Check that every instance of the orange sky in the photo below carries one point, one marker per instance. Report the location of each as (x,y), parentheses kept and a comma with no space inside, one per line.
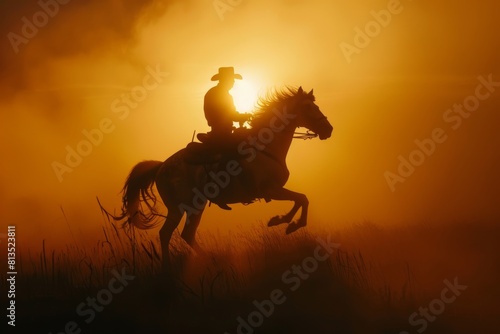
(392,91)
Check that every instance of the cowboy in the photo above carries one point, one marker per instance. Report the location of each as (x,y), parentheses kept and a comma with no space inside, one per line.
(219,108)
(220,113)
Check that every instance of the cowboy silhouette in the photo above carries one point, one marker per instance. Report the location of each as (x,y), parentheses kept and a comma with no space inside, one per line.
(219,108)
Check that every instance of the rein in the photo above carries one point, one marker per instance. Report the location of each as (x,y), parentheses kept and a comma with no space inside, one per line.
(304,135)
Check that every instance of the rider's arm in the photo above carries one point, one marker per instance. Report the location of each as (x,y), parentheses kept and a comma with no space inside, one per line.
(235,115)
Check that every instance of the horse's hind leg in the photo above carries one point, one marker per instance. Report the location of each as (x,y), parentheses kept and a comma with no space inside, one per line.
(173,219)
(189,231)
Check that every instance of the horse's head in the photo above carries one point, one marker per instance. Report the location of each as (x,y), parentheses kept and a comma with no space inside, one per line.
(309,115)
(300,107)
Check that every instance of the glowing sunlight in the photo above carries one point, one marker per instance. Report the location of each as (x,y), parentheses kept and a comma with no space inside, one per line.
(245,93)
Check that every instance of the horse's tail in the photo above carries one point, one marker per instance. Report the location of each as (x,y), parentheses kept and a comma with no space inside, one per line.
(139,188)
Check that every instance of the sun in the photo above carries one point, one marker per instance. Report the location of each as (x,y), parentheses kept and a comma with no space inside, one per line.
(245,94)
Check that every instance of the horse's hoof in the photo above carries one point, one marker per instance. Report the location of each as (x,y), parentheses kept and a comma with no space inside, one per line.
(276,220)
(293,227)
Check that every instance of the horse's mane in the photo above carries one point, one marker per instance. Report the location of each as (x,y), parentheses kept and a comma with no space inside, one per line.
(273,99)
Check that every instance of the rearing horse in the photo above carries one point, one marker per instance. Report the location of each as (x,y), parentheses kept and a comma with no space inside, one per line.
(257,171)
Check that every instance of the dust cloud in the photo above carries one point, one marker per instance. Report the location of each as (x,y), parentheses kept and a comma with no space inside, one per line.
(385,73)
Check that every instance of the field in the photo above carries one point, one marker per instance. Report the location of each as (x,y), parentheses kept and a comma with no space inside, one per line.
(361,279)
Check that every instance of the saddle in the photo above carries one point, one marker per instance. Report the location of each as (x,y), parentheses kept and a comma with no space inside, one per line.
(201,154)
(212,149)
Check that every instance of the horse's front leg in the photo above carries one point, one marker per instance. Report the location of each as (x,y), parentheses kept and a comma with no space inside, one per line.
(284,219)
(300,201)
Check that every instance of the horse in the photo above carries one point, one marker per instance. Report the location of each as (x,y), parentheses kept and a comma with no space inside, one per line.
(256,169)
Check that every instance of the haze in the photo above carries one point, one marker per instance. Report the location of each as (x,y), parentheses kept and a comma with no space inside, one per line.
(74,72)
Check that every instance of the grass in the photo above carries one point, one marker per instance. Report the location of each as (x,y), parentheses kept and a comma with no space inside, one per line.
(370,284)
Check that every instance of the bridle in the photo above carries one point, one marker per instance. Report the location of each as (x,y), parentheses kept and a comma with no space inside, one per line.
(304,135)
(308,134)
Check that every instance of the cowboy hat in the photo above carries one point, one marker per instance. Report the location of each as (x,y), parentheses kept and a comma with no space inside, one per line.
(226,72)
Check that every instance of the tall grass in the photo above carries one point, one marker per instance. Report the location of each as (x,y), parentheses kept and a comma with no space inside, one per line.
(227,268)
(365,286)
